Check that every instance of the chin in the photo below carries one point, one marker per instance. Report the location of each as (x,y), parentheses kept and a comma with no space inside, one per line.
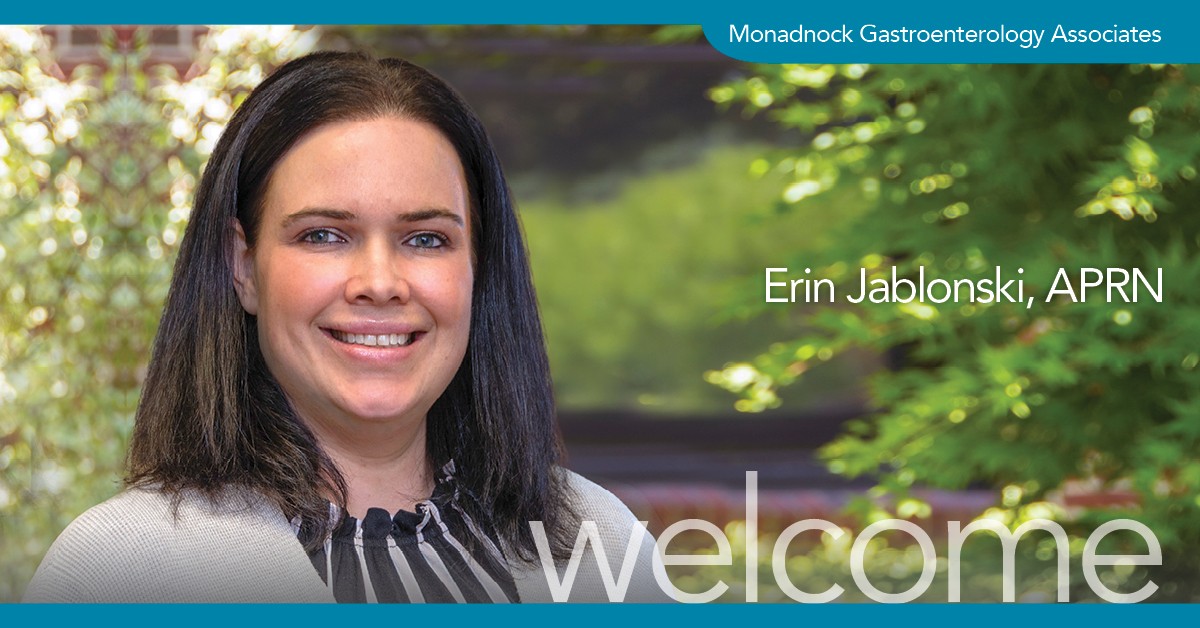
(386,410)
(376,415)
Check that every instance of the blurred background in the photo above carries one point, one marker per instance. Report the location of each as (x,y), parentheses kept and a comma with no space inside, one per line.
(656,180)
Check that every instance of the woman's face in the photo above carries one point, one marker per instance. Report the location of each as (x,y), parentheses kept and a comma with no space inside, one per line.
(361,275)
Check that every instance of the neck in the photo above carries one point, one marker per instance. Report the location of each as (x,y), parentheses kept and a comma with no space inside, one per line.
(385,466)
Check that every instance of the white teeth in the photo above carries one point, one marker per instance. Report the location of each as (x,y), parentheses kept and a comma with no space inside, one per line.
(371,340)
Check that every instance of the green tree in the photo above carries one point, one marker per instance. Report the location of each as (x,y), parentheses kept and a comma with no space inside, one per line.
(97,172)
(66,375)
(958,170)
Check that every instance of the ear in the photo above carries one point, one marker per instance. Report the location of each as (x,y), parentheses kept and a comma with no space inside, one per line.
(243,271)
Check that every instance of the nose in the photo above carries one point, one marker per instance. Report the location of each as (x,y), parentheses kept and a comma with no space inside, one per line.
(376,276)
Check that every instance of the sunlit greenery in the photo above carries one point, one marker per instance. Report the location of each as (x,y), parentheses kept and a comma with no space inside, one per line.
(966,168)
(97,172)
(62,389)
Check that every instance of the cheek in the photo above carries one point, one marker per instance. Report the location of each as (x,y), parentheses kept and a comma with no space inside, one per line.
(293,289)
(449,300)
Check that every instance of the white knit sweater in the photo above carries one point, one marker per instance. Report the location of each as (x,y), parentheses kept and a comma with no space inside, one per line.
(242,549)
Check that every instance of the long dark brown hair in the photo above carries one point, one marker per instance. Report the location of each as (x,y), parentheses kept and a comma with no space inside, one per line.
(212,416)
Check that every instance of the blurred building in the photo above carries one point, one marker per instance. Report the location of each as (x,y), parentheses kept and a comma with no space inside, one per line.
(172,45)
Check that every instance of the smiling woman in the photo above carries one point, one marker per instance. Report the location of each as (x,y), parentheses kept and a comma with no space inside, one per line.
(349,397)
(360,277)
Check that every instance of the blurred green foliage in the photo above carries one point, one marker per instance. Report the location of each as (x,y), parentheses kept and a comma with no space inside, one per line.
(654,274)
(97,171)
(69,286)
(965,168)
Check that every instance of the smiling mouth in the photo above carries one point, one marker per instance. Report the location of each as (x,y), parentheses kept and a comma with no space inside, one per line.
(373,340)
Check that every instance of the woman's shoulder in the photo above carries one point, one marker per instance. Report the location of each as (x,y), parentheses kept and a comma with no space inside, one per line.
(107,539)
(146,545)
(111,517)
(595,503)
(142,517)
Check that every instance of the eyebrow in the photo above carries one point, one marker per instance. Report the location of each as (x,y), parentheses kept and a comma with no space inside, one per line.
(340,214)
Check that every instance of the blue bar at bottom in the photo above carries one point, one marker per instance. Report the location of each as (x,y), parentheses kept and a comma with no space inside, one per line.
(974,615)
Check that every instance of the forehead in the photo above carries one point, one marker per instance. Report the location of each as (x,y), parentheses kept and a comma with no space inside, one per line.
(384,164)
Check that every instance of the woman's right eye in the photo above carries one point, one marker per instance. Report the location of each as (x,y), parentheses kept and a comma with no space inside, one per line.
(321,236)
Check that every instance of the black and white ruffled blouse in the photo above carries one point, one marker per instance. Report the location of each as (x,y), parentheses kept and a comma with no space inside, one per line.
(436,554)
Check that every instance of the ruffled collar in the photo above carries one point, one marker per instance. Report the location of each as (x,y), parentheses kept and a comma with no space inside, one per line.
(427,520)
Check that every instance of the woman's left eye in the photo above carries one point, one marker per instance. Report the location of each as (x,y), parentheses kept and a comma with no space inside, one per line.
(426,241)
